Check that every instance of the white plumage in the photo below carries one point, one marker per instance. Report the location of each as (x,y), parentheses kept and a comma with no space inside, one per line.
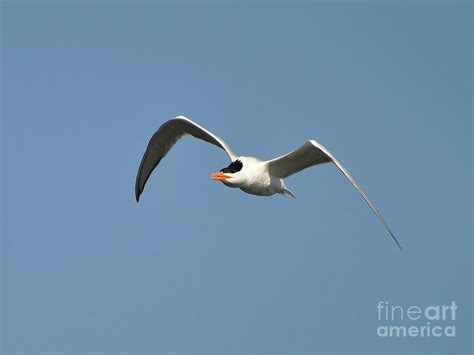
(250,174)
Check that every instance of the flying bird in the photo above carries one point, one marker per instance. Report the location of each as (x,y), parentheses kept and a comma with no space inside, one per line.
(250,174)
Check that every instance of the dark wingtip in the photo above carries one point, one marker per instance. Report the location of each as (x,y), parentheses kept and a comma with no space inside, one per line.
(137,194)
(401,249)
(396,241)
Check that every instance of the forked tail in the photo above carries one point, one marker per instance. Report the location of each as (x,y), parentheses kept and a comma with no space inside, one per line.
(285,191)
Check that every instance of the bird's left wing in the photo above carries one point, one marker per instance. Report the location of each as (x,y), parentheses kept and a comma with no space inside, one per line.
(164,139)
(313,153)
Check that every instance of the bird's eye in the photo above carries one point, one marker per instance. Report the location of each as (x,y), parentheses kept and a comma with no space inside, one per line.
(234,167)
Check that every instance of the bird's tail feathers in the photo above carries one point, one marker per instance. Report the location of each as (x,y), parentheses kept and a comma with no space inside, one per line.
(286,192)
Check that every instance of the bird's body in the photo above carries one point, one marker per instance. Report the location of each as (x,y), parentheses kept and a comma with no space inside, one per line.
(250,174)
(258,180)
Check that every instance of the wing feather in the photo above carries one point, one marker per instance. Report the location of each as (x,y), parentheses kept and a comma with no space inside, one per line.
(313,153)
(163,140)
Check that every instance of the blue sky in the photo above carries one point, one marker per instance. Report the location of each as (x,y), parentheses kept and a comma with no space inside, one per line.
(196,267)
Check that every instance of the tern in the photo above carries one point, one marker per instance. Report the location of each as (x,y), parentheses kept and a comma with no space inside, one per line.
(250,174)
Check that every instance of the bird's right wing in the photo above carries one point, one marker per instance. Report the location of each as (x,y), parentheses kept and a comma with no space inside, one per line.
(305,156)
(313,153)
(164,139)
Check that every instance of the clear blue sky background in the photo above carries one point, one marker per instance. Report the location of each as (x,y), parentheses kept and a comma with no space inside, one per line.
(196,267)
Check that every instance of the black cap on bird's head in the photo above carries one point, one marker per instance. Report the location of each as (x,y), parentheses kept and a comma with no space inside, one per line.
(224,173)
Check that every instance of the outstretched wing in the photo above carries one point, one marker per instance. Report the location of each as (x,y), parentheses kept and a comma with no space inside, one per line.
(164,139)
(313,153)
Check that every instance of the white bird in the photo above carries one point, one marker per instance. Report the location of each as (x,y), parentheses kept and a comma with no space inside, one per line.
(250,174)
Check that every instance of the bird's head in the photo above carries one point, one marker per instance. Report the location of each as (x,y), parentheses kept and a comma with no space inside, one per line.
(230,175)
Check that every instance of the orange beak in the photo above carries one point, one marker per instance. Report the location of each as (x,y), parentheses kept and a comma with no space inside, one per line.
(219,176)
